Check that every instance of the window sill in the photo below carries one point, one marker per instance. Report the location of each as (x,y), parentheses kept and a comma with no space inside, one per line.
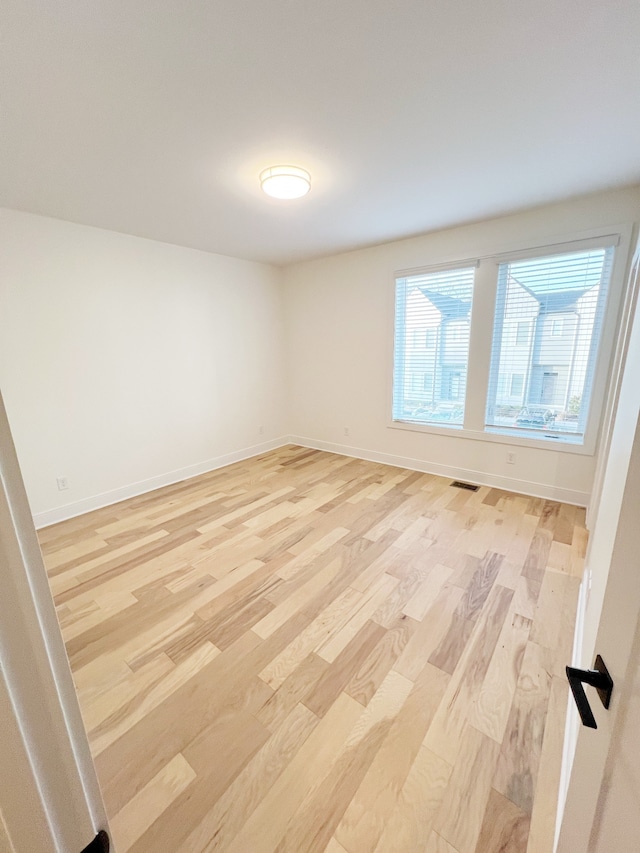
(558,445)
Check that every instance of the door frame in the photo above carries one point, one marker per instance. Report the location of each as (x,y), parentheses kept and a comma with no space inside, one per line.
(609,603)
(618,624)
(49,793)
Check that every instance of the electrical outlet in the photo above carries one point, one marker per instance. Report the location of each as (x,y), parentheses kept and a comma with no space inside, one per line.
(63,483)
(346,430)
(511,458)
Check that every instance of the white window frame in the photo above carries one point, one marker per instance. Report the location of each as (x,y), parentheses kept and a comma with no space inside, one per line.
(482,322)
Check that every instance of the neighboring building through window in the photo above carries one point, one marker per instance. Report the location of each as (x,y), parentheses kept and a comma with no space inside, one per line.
(430,380)
(561,298)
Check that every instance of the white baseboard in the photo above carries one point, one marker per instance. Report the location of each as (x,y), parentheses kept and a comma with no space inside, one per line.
(62,513)
(481,478)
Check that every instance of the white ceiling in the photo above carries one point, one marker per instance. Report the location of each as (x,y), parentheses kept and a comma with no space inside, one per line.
(154,117)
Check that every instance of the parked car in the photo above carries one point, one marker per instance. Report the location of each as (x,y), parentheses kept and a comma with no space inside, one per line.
(535,416)
(442,412)
(447,412)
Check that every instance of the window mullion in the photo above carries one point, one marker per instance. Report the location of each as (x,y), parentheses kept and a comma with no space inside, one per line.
(482,316)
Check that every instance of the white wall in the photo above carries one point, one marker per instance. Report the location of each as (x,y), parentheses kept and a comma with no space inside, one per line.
(339,313)
(126,363)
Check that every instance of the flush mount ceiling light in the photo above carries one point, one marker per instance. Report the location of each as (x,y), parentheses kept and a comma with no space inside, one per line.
(285,181)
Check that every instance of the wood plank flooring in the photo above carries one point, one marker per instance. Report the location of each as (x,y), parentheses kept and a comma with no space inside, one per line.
(307,652)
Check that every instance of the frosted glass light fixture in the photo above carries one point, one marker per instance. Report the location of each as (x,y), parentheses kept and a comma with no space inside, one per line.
(285,181)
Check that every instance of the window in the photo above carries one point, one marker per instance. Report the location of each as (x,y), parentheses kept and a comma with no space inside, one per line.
(535,368)
(454,384)
(517,384)
(427,382)
(522,333)
(561,298)
(424,338)
(430,338)
(438,305)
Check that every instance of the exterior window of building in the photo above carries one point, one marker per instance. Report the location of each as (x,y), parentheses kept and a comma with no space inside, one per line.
(430,338)
(522,333)
(427,382)
(517,384)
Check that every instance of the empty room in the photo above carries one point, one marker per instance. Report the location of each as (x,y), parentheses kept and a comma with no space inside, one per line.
(319,447)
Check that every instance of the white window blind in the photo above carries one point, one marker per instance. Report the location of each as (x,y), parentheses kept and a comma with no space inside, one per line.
(433,314)
(548,318)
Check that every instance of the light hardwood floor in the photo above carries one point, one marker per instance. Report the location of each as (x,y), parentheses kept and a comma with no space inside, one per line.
(307,652)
